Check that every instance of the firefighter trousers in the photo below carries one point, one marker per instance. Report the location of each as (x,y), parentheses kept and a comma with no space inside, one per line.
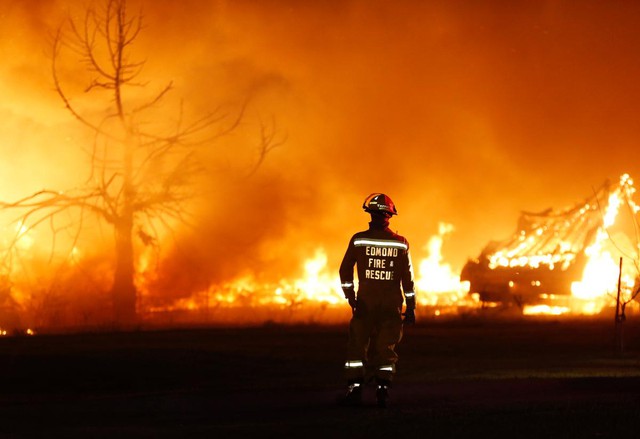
(374,331)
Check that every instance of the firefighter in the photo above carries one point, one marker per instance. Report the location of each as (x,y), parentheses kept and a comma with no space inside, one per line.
(384,273)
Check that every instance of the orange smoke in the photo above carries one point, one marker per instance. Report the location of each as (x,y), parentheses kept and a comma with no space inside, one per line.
(463,113)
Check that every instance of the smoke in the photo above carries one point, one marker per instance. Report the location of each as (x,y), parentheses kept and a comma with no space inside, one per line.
(462,112)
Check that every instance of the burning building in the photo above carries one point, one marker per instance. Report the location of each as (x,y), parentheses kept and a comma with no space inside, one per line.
(556,256)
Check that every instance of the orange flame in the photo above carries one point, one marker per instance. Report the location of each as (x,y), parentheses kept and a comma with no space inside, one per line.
(599,282)
(440,291)
(437,283)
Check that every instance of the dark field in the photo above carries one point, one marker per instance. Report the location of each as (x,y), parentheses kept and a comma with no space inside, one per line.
(473,377)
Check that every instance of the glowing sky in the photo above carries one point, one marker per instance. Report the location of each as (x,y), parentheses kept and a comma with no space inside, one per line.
(464,112)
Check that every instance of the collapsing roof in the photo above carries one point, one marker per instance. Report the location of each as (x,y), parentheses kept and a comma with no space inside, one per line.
(548,251)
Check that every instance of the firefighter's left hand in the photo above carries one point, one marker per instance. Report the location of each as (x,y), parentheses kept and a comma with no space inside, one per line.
(409,316)
(350,295)
(352,303)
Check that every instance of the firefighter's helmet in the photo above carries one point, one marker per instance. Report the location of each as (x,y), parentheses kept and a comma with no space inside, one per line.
(379,203)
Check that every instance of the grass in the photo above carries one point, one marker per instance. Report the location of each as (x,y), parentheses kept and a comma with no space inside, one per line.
(519,377)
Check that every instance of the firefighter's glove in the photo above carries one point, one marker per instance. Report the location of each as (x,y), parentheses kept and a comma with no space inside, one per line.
(409,316)
(410,311)
(350,295)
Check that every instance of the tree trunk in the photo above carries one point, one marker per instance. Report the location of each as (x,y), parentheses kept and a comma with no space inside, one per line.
(123,291)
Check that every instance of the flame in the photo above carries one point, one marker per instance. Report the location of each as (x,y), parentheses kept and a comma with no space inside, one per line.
(595,290)
(545,310)
(315,294)
(317,291)
(437,283)
(601,272)
(318,284)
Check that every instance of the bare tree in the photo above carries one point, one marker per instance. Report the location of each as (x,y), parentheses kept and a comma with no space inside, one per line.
(140,174)
(622,300)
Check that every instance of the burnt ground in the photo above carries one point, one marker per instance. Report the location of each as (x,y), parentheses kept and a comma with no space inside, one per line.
(456,378)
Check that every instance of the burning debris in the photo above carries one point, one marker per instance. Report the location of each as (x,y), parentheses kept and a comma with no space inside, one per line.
(561,261)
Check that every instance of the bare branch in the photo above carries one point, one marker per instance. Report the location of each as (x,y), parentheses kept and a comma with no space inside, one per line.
(155,100)
(63,96)
(267,143)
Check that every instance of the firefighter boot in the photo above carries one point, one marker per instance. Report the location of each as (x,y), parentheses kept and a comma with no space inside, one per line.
(382,393)
(354,395)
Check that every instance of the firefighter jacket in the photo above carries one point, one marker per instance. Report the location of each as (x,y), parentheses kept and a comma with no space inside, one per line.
(383,266)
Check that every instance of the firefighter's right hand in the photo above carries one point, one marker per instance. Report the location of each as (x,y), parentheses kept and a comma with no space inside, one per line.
(409,316)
